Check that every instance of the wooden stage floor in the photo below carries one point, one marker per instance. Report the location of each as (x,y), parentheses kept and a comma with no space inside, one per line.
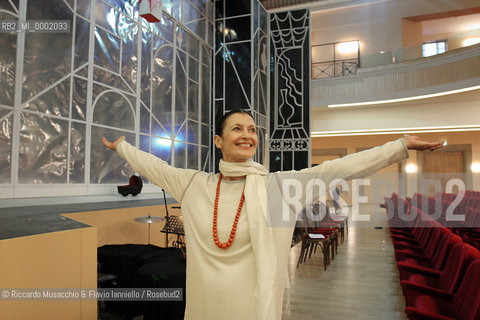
(362,281)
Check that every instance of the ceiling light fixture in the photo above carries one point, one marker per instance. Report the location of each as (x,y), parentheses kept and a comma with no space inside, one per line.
(439,94)
(320,134)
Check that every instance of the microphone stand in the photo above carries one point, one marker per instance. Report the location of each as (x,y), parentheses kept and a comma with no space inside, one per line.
(166,211)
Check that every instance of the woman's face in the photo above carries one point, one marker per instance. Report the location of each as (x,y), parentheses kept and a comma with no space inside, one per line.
(239,140)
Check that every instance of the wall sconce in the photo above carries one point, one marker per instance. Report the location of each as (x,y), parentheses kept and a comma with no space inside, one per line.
(348,47)
(476,167)
(471,41)
(411,168)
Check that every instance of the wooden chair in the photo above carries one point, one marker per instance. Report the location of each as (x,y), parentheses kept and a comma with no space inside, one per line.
(332,208)
(310,242)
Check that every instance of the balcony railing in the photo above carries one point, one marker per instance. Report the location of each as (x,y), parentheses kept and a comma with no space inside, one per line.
(340,59)
(330,69)
(453,42)
(335,59)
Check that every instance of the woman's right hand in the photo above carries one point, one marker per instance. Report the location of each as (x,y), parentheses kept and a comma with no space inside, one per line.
(415,143)
(112,145)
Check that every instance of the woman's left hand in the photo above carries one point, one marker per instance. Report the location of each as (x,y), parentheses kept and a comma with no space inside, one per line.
(414,143)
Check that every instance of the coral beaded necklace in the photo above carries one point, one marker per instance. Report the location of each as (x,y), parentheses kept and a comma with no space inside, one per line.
(227,244)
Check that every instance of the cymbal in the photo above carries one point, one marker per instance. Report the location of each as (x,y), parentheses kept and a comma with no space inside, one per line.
(149,219)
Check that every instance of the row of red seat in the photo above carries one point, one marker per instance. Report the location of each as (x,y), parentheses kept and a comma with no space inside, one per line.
(439,272)
(459,213)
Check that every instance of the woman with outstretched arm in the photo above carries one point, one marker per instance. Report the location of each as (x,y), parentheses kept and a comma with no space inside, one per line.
(237,258)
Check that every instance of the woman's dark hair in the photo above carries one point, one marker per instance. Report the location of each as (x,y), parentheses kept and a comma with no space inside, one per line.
(221,121)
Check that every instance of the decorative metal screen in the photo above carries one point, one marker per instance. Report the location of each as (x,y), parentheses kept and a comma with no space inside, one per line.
(290,90)
(241,63)
(112,75)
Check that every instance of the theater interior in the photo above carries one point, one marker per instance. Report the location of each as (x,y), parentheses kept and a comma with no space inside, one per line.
(322,79)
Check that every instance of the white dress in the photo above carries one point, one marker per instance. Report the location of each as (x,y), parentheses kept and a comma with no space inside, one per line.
(220,283)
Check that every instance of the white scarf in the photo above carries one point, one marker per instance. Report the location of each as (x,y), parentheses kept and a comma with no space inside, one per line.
(260,234)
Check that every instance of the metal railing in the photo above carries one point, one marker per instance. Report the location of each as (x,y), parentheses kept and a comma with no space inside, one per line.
(329,60)
(453,42)
(330,69)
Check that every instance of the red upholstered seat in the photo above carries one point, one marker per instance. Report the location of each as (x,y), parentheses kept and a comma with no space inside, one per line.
(471,230)
(443,305)
(438,253)
(427,304)
(414,234)
(398,211)
(447,280)
(424,245)
(415,225)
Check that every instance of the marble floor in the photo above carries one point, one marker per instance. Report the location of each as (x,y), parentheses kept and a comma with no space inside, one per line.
(362,281)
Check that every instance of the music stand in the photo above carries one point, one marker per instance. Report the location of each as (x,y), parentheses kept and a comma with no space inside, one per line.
(166,212)
(174,224)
